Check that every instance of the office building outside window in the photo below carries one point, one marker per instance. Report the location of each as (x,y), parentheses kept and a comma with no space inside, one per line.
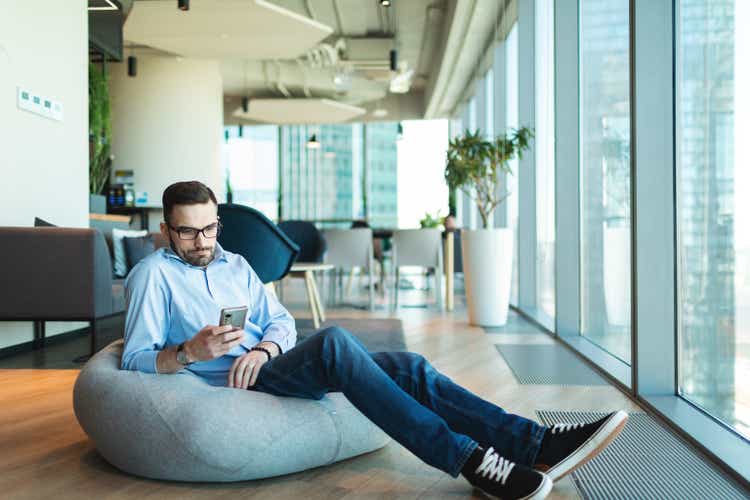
(511,122)
(605,174)
(713,209)
(251,164)
(381,175)
(544,77)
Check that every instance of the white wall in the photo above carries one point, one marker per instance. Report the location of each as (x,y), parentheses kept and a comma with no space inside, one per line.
(167,123)
(43,163)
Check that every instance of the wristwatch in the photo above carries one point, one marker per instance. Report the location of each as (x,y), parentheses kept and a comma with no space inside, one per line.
(182,356)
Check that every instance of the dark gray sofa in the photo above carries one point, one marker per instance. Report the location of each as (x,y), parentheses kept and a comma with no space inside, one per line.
(57,274)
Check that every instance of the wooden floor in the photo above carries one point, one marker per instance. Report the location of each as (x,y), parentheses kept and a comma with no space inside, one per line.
(44,453)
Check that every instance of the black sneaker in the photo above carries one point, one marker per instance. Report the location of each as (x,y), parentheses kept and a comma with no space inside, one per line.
(497,477)
(566,447)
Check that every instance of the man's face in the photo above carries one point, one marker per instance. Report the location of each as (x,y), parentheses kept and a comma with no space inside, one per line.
(200,251)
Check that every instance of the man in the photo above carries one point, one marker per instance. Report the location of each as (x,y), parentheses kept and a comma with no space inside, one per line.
(174,299)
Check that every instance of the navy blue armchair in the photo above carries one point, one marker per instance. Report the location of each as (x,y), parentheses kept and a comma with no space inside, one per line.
(266,248)
(311,243)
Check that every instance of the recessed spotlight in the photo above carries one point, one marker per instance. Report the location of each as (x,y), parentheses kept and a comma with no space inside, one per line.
(385,3)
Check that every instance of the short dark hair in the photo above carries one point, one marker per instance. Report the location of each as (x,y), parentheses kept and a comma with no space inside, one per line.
(185,193)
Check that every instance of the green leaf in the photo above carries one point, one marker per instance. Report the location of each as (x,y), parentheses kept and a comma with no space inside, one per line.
(473,162)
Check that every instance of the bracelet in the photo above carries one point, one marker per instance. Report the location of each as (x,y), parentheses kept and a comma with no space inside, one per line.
(263,349)
(281,351)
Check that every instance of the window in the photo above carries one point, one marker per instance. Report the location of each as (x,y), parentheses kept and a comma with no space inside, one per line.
(511,122)
(605,174)
(251,164)
(544,76)
(713,208)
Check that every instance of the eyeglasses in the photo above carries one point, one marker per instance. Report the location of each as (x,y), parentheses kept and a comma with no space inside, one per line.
(191,233)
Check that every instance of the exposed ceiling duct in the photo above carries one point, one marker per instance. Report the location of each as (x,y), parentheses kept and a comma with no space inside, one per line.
(315,49)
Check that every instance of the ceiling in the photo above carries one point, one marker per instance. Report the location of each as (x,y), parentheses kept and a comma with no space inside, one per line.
(223,29)
(294,110)
(304,49)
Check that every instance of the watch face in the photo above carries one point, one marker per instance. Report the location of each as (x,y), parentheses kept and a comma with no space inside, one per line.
(181,356)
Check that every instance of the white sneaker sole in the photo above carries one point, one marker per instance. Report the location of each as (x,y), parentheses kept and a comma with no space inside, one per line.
(591,448)
(540,493)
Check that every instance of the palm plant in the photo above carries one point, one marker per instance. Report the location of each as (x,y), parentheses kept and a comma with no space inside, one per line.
(473,164)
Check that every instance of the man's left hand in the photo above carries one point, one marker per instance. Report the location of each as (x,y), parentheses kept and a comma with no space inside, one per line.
(244,371)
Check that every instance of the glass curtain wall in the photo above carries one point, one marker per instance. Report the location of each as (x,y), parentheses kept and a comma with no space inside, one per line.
(544,77)
(713,210)
(319,183)
(511,122)
(605,174)
(381,156)
(352,175)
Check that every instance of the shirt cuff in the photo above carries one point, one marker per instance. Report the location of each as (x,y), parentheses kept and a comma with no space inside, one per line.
(279,337)
(144,361)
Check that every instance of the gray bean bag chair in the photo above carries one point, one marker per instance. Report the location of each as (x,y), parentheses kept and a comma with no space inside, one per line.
(177,427)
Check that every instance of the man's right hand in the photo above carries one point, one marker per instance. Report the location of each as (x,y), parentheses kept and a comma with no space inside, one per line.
(213,342)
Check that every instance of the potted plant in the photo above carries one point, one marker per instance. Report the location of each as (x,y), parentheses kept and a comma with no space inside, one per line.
(473,164)
(100,138)
(430,221)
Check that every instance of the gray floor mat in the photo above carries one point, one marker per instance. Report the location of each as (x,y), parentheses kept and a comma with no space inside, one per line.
(646,461)
(546,364)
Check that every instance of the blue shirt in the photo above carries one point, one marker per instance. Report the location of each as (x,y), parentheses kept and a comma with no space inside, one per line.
(168,301)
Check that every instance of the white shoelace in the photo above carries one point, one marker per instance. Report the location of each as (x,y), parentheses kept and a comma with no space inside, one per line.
(565,427)
(495,467)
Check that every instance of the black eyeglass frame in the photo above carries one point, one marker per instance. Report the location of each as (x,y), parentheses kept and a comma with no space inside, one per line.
(196,231)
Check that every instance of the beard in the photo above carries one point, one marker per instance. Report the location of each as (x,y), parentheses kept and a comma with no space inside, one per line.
(199,257)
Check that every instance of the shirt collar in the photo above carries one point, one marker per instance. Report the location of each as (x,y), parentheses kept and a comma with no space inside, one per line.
(219,255)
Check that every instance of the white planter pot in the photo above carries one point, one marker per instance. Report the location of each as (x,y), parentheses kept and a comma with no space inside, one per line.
(488,268)
(617,275)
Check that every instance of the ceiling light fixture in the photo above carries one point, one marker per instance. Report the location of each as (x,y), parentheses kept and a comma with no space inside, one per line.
(183,4)
(342,82)
(313,143)
(385,3)
(108,6)
(132,66)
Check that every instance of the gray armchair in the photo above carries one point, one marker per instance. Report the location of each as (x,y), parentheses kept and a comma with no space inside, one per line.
(57,274)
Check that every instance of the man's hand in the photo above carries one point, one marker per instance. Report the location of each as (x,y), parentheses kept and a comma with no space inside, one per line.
(213,342)
(244,371)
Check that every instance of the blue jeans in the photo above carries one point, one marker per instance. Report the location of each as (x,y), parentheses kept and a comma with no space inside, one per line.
(400,392)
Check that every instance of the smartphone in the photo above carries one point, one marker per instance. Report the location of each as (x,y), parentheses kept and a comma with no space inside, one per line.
(234,316)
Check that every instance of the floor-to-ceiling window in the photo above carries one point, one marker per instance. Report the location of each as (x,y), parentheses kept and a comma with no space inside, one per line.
(511,122)
(251,166)
(605,174)
(544,78)
(713,211)
(381,158)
